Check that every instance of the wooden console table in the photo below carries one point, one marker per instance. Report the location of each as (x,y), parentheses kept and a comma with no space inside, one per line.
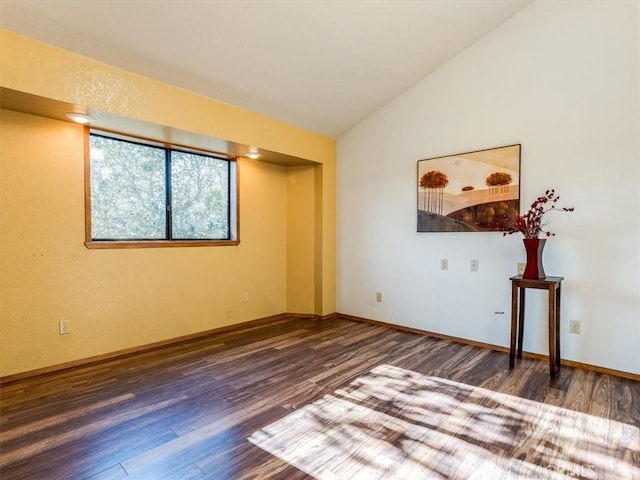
(553,285)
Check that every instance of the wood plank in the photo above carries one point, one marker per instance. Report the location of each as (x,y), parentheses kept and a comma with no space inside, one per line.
(185,410)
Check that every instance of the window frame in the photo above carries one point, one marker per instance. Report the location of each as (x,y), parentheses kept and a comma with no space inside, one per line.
(233,207)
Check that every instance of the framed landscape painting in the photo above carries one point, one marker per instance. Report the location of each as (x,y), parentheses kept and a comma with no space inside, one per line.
(469,192)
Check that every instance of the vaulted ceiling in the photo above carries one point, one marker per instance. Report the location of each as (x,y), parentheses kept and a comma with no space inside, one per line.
(322,65)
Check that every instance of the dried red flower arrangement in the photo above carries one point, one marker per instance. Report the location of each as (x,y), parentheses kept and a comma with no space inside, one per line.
(531,224)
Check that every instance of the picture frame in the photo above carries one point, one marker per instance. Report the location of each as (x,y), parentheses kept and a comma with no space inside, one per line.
(476,191)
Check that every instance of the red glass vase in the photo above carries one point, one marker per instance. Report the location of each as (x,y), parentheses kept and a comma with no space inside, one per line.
(534,248)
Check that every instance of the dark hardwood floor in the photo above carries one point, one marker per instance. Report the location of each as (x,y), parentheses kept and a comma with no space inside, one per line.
(185,411)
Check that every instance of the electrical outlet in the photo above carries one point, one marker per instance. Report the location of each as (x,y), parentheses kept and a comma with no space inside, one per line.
(574,326)
(521,267)
(65,327)
(474,265)
(444,264)
(379,297)
(245,297)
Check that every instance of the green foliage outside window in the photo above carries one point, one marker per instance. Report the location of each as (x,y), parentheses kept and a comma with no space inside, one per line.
(145,192)
(200,192)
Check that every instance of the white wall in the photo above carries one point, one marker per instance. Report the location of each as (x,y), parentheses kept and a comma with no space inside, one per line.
(561,78)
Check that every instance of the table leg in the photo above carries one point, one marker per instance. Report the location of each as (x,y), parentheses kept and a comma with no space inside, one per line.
(521,321)
(514,324)
(558,326)
(552,330)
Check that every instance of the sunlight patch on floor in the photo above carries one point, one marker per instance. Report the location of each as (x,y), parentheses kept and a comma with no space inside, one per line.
(436,428)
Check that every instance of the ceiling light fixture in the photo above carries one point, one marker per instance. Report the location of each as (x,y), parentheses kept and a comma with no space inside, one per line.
(253,153)
(78,117)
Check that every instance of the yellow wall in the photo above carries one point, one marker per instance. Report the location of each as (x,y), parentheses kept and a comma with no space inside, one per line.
(118,299)
(38,68)
(301,240)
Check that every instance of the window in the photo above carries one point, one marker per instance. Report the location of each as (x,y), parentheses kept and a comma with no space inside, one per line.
(156,195)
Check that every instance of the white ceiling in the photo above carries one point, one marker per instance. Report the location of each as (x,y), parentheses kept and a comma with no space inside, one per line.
(322,65)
